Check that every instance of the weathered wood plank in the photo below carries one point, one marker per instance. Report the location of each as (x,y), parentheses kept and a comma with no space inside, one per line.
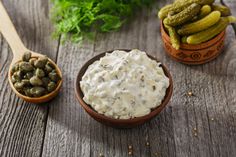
(22,124)
(71,132)
(68,127)
(211,112)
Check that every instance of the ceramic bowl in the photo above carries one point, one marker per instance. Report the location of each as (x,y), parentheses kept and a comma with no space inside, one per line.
(194,54)
(119,123)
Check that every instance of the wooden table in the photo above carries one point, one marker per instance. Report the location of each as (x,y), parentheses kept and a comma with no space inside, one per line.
(203,125)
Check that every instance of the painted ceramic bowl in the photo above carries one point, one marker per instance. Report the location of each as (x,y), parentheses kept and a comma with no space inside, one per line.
(119,123)
(194,54)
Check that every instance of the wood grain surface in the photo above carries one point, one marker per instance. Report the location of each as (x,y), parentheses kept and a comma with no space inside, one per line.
(203,125)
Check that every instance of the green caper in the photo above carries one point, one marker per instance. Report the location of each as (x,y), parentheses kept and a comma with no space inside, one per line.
(35,81)
(26,82)
(50,64)
(18,75)
(28,75)
(54,76)
(41,62)
(46,81)
(44,59)
(37,91)
(14,79)
(26,66)
(27,92)
(48,68)
(26,56)
(34,77)
(39,72)
(51,86)
(19,85)
(15,68)
(32,60)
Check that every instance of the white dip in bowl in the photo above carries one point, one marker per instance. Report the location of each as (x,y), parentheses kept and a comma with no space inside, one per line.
(124,85)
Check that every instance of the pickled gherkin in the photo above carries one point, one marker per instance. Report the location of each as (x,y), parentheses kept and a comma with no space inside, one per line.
(201,2)
(209,33)
(194,21)
(205,10)
(184,39)
(184,16)
(225,11)
(163,13)
(174,37)
(201,24)
(180,5)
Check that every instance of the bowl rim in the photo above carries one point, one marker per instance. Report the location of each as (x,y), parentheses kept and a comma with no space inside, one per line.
(90,110)
(192,47)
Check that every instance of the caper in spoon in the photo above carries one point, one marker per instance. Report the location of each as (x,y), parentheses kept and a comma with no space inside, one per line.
(28,68)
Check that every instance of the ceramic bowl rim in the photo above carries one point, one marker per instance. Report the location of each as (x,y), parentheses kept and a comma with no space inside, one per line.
(154,111)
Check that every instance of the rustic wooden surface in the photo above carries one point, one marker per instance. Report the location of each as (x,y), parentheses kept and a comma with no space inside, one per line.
(61,128)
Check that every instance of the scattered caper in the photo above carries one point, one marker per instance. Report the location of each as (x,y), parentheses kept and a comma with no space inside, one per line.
(51,86)
(26,56)
(40,73)
(35,81)
(37,91)
(25,66)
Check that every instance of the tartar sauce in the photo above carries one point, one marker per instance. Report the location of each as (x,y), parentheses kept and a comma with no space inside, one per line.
(124,85)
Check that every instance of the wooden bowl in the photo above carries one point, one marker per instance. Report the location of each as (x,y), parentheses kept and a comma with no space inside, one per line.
(194,54)
(119,123)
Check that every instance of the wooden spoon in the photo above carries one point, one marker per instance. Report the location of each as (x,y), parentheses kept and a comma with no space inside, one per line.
(18,49)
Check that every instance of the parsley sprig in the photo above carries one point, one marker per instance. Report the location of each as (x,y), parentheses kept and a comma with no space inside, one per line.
(79,19)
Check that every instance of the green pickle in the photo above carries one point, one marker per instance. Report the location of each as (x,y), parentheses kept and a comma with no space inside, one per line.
(174,37)
(225,11)
(180,5)
(184,39)
(211,32)
(201,24)
(184,16)
(205,10)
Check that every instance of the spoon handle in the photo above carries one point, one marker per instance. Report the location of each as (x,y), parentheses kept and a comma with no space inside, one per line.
(9,32)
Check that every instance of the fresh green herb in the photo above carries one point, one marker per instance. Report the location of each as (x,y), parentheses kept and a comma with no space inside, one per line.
(79,19)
